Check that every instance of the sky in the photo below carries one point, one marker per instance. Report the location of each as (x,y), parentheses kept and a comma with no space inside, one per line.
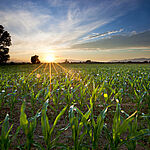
(99,30)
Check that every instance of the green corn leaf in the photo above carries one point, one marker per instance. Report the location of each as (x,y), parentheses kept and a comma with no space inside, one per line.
(5,128)
(131,83)
(116,121)
(78,111)
(52,108)
(38,94)
(87,114)
(91,103)
(1,121)
(17,132)
(4,138)
(73,132)
(100,121)
(57,118)
(71,112)
(123,127)
(45,126)
(8,131)
(136,94)
(82,136)
(44,121)
(23,119)
(139,135)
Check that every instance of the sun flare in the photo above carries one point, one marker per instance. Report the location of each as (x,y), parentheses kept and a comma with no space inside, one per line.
(50,58)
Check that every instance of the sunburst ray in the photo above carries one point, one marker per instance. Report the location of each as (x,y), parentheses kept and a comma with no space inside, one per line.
(54,68)
(34,70)
(45,67)
(62,67)
(50,75)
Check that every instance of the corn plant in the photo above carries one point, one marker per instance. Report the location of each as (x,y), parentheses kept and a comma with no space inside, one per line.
(34,98)
(12,102)
(77,122)
(118,129)
(46,129)
(95,127)
(131,145)
(28,126)
(135,134)
(5,133)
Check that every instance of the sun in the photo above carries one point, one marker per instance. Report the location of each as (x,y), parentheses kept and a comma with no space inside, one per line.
(50,58)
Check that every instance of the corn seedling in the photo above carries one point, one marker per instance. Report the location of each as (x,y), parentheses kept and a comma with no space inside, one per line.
(46,129)
(28,126)
(78,124)
(5,133)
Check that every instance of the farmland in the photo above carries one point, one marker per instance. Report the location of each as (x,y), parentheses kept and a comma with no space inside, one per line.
(75,106)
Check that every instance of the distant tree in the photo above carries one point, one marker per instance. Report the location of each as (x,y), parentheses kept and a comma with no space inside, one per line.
(5,42)
(35,59)
(88,61)
(145,61)
(66,61)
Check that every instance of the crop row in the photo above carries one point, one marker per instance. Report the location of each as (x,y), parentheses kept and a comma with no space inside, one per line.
(75,106)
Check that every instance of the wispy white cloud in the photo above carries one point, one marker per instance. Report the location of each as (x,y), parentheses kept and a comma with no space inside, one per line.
(22,22)
(133,33)
(97,35)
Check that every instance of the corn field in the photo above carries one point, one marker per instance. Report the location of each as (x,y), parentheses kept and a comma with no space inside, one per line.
(75,106)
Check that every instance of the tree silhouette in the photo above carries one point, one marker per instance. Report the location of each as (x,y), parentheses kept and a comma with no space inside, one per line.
(5,41)
(66,61)
(35,59)
(88,61)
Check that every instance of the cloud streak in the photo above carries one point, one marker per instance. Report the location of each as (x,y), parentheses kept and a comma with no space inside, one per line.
(138,40)
(97,35)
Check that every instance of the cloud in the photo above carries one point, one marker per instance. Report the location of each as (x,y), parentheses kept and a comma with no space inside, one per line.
(97,35)
(59,3)
(138,41)
(23,23)
(33,26)
(133,32)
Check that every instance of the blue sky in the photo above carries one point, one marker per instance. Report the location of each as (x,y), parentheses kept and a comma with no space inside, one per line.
(100,30)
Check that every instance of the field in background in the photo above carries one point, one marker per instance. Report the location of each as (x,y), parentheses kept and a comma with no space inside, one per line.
(68,106)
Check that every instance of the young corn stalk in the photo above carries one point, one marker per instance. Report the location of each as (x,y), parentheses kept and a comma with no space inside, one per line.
(131,145)
(95,128)
(134,135)
(46,129)
(34,98)
(118,128)
(4,137)
(78,124)
(28,126)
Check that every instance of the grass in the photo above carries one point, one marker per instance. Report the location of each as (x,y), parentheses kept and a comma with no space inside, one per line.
(67,106)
